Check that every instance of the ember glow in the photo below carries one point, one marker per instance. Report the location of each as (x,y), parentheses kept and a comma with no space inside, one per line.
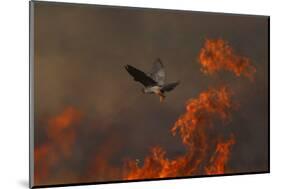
(217,55)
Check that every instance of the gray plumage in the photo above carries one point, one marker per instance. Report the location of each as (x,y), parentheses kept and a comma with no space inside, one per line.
(158,73)
(154,82)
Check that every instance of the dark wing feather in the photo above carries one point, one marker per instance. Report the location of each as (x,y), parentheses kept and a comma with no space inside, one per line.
(169,86)
(140,76)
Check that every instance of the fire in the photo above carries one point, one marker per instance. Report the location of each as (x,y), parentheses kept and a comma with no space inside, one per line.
(60,129)
(206,150)
(63,120)
(220,158)
(204,154)
(200,111)
(217,55)
(193,127)
(155,166)
(61,137)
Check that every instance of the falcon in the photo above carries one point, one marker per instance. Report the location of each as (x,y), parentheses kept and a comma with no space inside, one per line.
(154,82)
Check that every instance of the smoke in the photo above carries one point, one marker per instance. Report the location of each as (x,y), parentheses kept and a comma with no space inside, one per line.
(217,55)
(100,165)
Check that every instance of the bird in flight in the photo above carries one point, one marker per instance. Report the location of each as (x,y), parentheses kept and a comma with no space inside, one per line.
(154,82)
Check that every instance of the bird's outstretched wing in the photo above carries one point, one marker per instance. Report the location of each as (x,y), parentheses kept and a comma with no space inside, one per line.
(158,73)
(140,76)
(169,86)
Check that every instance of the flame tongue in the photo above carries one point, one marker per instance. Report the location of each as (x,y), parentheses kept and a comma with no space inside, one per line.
(192,127)
(220,157)
(201,111)
(217,55)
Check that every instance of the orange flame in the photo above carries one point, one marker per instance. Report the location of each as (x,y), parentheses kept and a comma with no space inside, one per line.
(217,55)
(61,137)
(60,129)
(200,111)
(220,158)
(192,127)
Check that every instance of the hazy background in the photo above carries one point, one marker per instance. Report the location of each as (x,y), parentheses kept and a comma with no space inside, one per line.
(80,53)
